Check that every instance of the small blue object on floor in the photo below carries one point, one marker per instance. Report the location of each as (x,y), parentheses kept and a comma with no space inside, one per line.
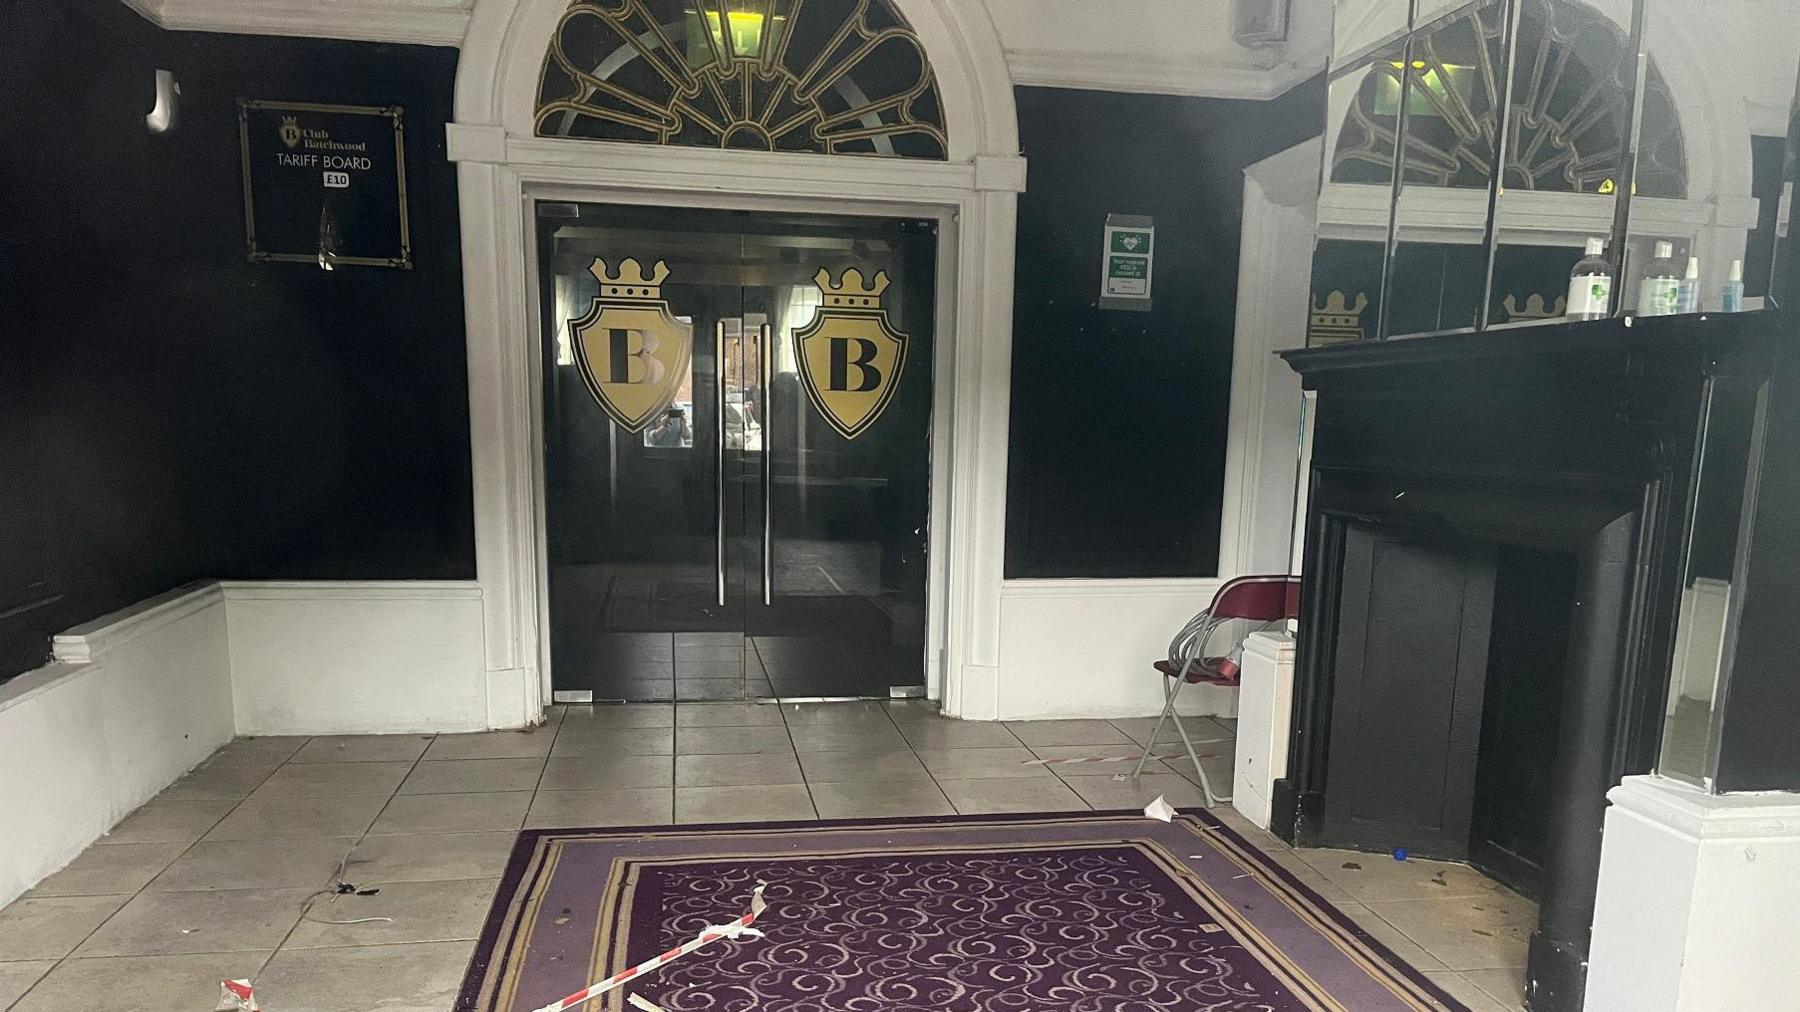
(1399,853)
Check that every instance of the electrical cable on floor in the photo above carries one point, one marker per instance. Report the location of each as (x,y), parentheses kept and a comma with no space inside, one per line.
(341,888)
(356,920)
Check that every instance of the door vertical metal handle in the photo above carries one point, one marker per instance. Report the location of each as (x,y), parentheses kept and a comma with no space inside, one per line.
(766,353)
(719,457)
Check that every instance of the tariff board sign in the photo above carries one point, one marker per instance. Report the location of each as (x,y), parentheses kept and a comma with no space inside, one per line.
(1125,264)
(324,184)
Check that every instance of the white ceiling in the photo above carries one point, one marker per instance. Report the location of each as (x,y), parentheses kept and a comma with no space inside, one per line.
(1167,46)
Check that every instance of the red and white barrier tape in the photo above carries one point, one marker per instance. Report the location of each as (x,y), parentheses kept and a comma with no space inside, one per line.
(236,994)
(741,926)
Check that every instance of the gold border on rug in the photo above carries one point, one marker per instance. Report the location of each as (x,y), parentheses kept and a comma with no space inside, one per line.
(1344,939)
(612,933)
(1242,931)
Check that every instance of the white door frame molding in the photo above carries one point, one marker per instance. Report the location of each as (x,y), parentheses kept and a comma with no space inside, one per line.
(502,167)
(1281,201)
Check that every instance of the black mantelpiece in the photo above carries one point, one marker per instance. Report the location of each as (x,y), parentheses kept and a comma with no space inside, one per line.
(1572,441)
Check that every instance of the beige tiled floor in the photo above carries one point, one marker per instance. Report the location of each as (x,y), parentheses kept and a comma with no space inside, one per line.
(210,879)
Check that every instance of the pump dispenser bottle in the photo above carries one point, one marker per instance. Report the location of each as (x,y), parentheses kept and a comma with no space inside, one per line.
(1733,295)
(1590,285)
(1687,296)
(1660,290)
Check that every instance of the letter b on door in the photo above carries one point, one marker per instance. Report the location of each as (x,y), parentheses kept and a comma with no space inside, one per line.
(856,353)
(631,357)
(850,361)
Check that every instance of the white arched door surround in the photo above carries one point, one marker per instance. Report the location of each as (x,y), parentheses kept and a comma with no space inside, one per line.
(502,167)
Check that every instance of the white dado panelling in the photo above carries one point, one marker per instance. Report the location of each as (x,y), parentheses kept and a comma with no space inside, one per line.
(358,658)
(139,697)
(1084,648)
(135,700)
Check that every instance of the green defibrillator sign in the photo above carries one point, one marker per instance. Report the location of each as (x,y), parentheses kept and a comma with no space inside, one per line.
(1126,264)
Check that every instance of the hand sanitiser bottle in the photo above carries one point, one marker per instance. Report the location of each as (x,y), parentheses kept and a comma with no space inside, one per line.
(1687,295)
(1661,287)
(1590,285)
(1733,294)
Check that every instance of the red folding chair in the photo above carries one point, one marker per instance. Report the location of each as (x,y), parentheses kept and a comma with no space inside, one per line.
(1259,601)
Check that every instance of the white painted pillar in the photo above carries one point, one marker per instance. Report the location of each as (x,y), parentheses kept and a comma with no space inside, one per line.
(1697,901)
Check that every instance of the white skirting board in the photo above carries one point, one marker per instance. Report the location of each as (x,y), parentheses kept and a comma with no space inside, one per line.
(1695,910)
(135,700)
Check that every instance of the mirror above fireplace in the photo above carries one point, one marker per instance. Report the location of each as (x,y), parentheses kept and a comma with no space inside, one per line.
(1474,149)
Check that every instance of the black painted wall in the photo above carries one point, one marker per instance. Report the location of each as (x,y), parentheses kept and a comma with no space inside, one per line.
(1117,452)
(169,411)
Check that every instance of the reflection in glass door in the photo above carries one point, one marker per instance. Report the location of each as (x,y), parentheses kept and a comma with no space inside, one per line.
(736,448)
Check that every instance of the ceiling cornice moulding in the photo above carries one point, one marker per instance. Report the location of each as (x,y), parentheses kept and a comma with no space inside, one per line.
(419,22)
(444,22)
(1204,76)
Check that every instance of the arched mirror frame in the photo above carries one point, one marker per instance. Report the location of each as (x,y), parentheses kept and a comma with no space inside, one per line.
(1648,161)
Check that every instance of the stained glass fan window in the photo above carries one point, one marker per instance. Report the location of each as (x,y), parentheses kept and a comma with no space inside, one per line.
(820,76)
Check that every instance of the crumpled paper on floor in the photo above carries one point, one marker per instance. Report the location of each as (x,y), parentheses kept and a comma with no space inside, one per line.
(1160,810)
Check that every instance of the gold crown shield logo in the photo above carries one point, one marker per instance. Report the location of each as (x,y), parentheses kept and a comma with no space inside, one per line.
(633,353)
(851,292)
(290,131)
(1335,321)
(631,282)
(1535,307)
(851,357)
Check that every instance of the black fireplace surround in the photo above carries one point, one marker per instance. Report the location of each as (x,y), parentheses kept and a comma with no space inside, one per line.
(1495,532)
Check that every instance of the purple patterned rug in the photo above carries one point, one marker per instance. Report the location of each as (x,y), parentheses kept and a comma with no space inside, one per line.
(1083,912)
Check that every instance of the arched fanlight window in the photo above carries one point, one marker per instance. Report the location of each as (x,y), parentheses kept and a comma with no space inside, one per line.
(822,76)
(1571,108)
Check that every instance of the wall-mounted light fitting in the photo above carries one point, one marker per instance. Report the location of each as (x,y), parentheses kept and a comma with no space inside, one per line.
(161,118)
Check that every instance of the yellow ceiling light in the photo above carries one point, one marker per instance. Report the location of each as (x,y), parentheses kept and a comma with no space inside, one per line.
(746,31)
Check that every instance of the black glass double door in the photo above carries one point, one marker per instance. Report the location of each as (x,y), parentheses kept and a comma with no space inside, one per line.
(737,413)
